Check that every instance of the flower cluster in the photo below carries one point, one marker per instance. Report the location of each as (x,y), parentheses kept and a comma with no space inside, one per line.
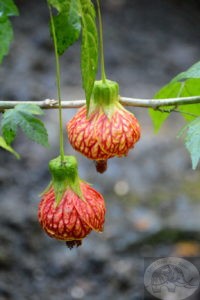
(70,208)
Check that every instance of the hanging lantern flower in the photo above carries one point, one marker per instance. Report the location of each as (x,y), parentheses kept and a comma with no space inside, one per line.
(107,130)
(70,208)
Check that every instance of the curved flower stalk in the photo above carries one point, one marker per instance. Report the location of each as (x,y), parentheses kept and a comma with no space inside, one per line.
(107,130)
(70,208)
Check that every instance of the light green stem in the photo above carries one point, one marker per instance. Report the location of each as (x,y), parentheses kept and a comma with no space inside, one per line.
(103,74)
(58,85)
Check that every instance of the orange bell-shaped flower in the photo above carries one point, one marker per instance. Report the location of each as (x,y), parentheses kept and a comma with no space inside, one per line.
(77,211)
(108,129)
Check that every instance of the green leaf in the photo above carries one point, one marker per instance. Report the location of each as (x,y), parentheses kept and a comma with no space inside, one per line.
(6,147)
(192,72)
(58,4)
(89,47)
(158,118)
(23,116)
(33,109)
(192,140)
(67,23)
(186,84)
(7,9)
(6,36)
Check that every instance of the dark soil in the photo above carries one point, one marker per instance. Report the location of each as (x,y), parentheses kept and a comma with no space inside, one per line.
(152,196)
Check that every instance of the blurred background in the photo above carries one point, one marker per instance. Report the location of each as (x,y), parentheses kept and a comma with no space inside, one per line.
(152,196)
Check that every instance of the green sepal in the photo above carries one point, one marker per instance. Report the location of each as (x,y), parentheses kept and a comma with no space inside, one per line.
(64,175)
(105,95)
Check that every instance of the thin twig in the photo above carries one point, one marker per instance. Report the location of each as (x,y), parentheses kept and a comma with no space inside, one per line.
(148,103)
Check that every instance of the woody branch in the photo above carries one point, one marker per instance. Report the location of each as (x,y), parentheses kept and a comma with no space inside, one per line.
(147,103)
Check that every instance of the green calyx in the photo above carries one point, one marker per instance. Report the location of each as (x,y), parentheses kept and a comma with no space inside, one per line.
(105,95)
(64,175)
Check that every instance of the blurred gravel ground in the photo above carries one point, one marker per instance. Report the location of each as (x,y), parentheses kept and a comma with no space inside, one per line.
(152,196)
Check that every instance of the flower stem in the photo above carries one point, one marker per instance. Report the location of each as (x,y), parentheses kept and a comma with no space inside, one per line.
(57,85)
(103,74)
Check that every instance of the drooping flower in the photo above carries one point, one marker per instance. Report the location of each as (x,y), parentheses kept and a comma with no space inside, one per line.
(107,130)
(70,208)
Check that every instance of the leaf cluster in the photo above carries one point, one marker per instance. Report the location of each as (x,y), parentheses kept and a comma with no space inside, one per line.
(75,18)
(23,117)
(185,84)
